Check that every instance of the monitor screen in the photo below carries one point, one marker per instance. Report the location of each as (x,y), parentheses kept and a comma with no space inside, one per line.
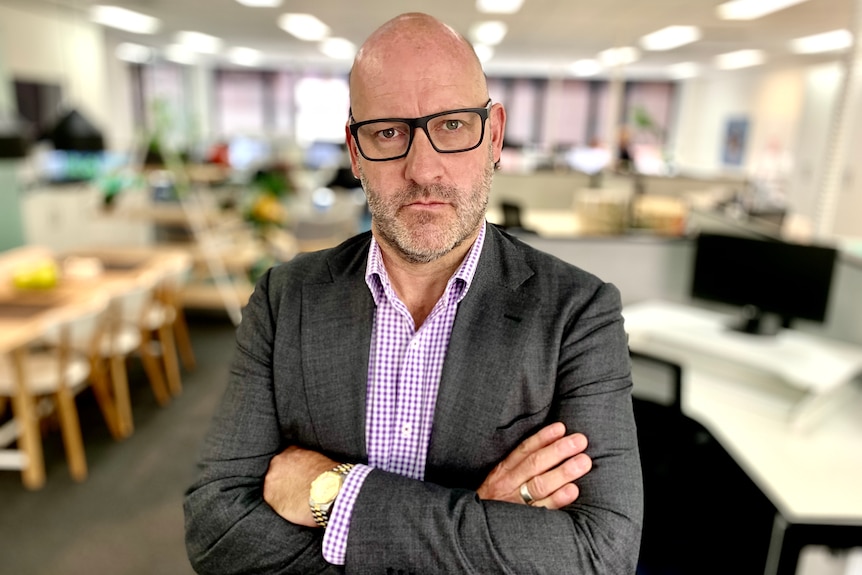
(787,280)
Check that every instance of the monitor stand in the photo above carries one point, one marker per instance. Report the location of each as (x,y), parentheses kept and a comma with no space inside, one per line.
(754,321)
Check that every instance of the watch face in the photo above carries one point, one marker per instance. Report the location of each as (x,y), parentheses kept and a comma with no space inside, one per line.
(325,488)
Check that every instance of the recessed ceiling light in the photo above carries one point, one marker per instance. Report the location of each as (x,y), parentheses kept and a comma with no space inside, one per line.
(199,42)
(498,6)
(338,48)
(670,37)
(585,67)
(825,42)
(490,32)
(261,3)
(740,59)
(752,9)
(135,53)
(304,26)
(483,52)
(619,56)
(180,54)
(683,70)
(244,56)
(124,19)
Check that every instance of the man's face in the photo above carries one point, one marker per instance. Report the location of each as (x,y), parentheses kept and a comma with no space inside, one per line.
(426,204)
(425,221)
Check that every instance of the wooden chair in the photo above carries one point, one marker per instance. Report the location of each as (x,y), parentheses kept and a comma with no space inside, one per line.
(165,320)
(127,334)
(43,378)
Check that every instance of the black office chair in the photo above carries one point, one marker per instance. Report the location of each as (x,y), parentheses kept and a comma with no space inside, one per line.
(702,514)
(512,218)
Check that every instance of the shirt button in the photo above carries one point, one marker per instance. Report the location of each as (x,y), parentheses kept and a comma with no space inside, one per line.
(414,344)
(406,429)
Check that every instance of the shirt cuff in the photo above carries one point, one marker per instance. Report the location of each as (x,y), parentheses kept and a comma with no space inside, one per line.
(335,537)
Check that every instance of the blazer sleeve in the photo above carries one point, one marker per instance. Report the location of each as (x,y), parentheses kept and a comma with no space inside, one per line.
(229,528)
(405,526)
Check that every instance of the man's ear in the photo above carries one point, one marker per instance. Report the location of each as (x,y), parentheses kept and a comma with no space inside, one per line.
(351,148)
(497,119)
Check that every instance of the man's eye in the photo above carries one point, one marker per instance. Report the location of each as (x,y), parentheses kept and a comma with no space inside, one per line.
(453,124)
(387,133)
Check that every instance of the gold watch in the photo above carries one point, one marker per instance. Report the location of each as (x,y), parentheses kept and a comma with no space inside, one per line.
(324,490)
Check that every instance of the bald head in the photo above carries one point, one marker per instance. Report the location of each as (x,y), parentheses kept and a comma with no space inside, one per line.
(416,54)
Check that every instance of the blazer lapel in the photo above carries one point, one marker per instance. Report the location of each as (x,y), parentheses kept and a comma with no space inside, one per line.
(337,318)
(495,310)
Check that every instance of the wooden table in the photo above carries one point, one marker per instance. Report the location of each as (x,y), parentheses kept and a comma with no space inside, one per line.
(26,314)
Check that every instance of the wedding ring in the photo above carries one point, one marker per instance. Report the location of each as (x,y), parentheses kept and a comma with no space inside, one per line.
(525,494)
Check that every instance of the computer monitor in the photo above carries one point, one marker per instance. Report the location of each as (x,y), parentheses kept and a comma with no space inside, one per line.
(771,282)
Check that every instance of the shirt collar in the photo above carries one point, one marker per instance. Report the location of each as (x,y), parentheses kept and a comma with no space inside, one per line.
(378,280)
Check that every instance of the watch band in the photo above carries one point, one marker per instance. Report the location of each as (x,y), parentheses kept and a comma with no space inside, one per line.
(321,514)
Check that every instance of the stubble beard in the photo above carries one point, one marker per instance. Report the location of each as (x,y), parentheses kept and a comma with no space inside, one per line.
(425,236)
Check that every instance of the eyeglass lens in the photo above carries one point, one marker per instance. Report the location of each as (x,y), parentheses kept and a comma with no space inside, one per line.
(453,132)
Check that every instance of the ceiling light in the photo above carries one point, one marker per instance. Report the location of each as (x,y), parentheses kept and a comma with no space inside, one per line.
(619,56)
(303,26)
(180,54)
(124,19)
(244,56)
(490,32)
(825,42)
(670,37)
(752,9)
(683,70)
(199,42)
(338,48)
(498,6)
(585,67)
(261,3)
(739,59)
(483,52)
(135,53)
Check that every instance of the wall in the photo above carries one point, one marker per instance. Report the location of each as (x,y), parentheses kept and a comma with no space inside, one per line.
(57,45)
(706,103)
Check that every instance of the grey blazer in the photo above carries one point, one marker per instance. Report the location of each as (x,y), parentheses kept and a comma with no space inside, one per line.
(536,340)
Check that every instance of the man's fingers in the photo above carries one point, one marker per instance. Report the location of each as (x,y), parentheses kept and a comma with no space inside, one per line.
(550,456)
(546,484)
(565,495)
(545,436)
(546,450)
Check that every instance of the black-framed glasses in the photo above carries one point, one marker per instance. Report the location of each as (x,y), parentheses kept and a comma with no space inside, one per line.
(449,132)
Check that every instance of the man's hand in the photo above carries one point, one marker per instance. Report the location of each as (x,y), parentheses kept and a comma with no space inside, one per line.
(288,482)
(548,462)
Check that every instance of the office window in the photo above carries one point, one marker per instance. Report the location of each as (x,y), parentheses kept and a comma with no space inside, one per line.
(599,109)
(647,112)
(524,108)
(240,103)
(567,107)
(322,106)
(655,100)
(284,103)
(165,101)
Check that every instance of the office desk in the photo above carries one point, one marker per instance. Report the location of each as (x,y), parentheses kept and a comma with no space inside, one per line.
(25,315)
(811,473)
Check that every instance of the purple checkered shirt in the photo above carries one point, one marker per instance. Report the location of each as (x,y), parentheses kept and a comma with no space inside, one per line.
(403,379)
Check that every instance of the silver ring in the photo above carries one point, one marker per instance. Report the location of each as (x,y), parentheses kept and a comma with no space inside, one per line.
(526,495)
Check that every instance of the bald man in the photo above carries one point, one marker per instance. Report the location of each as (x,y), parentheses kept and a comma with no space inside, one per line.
(432,396)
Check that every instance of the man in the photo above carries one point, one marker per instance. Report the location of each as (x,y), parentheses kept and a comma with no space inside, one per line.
(420,398)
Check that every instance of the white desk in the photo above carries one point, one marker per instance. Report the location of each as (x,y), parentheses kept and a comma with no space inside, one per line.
(812,473)
(809,373)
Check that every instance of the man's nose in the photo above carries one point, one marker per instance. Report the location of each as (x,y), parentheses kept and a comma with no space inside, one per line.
(422,161)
